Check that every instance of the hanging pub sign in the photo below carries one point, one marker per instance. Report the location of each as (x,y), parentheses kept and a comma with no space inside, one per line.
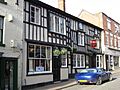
(93,43)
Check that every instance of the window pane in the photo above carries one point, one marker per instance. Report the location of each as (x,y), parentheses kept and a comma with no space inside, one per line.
(51,22)
(43,52)
(47,68)
(0,36)
(40,65)
(31,50)
(82,60)
(74,60)
(64,60)
(48,52)
(37,15)
(80,26)
(62,25)
(37,52)
(1,23)
(31,65)
(32,16)
(56,24)
(78,60)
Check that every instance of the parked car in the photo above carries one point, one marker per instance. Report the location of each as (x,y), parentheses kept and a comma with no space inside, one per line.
(93,75)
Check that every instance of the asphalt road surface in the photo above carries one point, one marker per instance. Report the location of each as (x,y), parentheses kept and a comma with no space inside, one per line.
(108,85)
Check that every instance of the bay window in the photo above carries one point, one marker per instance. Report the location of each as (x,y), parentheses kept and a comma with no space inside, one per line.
(57,24)
(39,59)
(79,61)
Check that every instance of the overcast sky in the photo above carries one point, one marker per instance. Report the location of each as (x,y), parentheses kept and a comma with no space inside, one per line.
(74,7)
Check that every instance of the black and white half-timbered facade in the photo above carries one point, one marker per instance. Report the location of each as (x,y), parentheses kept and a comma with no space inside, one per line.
(56,44)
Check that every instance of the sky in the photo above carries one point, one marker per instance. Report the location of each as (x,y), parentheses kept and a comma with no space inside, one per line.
(74,7)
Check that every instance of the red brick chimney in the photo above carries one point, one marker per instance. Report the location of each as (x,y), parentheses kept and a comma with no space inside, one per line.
(61,5)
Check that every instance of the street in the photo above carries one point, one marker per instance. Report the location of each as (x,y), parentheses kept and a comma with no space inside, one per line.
(109,85)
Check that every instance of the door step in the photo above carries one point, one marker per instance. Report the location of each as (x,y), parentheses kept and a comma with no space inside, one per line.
(57,82)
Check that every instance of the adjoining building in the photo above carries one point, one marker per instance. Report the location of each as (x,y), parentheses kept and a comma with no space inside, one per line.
(110,38)
(11,27)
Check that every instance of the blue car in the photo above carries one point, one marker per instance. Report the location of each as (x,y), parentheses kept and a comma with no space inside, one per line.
(93,75)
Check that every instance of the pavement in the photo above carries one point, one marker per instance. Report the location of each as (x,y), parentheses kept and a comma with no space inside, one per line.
(64,84)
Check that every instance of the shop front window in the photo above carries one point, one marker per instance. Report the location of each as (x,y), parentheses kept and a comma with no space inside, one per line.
(39,59)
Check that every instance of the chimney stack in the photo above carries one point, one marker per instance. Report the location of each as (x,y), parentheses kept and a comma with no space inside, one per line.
(61,5)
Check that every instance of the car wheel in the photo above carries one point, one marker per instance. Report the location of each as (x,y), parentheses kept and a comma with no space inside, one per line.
(99,81)
(80,83)
(110,77)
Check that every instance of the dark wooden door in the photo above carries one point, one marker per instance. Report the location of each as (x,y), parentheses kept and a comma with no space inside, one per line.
(56,68)
(8,77)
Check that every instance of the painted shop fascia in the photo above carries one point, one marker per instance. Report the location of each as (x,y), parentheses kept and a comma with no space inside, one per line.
(48,30)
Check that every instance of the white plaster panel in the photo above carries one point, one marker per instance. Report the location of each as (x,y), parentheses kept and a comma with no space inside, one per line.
(64,73)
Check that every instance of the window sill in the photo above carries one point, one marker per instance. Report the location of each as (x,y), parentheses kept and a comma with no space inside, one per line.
(3,2)
(2,45)
(39,73)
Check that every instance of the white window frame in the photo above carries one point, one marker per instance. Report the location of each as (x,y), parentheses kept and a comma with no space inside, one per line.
(76,61)
(81,37)
(99,61)
(98,43)
(119,43)
(109,24)
(80,26)
(96,32)
(34,71)
(36,15)
(111,40)
(107,38)
(115,41)
(116,28)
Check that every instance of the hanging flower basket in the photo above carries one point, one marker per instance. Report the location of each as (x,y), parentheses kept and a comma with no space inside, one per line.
(56,52)
(63,51)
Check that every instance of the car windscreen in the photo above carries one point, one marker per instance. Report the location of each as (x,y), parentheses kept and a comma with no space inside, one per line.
(89,71)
